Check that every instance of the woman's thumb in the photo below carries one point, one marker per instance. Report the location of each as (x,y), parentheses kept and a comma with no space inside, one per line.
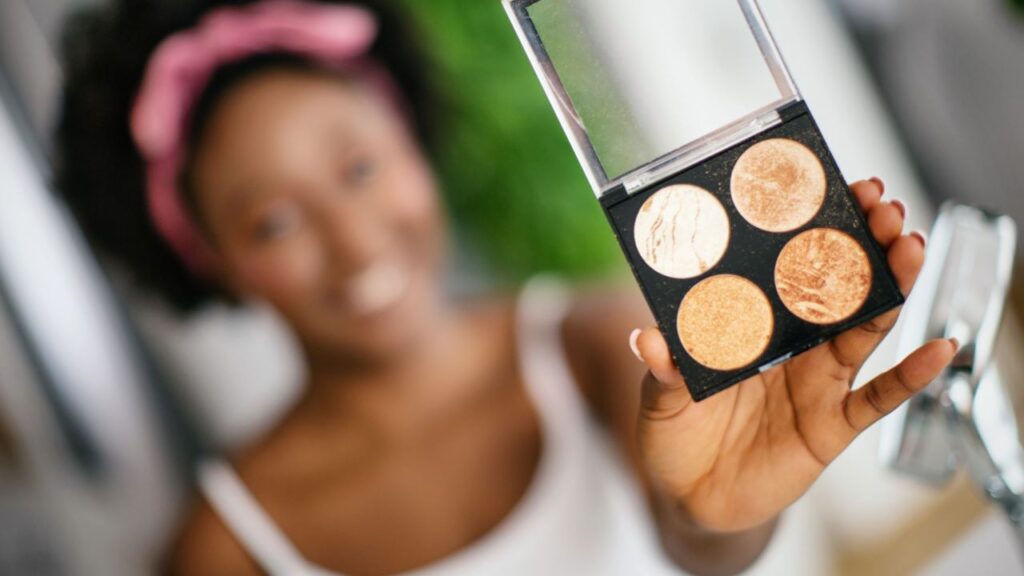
(664,390)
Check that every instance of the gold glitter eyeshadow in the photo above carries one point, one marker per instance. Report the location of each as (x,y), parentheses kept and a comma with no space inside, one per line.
(823,276)
(681,231)
(725,322)
(778,185)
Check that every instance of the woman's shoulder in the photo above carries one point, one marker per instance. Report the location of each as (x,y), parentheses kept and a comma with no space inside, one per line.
(596,335)
(598,324)
(601,313)
(205,546)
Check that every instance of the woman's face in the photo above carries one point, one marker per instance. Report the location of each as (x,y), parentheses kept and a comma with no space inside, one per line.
(320,202)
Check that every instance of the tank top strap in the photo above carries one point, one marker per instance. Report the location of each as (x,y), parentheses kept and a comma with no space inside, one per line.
(221,486)
(544,303)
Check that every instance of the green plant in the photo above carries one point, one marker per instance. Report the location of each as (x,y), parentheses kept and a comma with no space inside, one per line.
(513,185)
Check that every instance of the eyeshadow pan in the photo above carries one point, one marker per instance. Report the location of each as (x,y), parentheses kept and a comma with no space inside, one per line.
(823,276)
(778,185)
(725,322)
(682,231)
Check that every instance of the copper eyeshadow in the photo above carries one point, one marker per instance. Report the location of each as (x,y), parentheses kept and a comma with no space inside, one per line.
(823,276)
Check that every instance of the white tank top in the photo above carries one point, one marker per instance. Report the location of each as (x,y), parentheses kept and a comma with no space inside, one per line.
(581,514)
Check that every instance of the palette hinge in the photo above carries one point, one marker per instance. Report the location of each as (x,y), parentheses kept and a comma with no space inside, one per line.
(793,110)
(709,146)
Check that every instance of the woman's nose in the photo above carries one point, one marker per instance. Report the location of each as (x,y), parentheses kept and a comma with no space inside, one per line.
(354,234)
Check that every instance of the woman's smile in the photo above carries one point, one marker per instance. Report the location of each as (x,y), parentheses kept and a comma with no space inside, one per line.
(377,289)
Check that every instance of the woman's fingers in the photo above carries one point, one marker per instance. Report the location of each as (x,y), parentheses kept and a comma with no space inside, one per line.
(885,219)
(868,192)
(886,222)
(852,348)
(664,390)
(868,404)
(906,258)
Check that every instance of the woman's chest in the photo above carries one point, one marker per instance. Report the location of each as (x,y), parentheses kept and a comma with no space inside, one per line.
(418,502)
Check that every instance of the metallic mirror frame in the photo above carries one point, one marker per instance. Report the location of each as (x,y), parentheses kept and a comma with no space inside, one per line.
(964,418)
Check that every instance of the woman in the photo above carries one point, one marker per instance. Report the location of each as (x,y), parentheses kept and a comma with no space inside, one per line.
(276,151)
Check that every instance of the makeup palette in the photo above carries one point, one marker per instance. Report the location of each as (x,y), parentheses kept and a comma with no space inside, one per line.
(741,231)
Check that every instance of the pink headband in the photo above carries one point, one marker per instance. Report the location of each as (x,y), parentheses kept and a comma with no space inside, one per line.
(183,63)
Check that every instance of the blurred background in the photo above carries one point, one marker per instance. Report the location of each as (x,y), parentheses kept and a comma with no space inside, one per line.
(106,397)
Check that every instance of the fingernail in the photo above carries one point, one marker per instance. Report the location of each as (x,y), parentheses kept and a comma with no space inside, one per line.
(920,237)
(633,337)
(901,207)
(956,345)
(881,185)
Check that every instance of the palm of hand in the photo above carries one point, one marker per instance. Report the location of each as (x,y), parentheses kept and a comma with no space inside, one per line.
(735,460)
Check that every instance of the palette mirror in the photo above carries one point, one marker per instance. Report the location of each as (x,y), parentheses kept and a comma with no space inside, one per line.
(639,80)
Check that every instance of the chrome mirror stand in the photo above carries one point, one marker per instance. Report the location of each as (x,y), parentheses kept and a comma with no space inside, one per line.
(965,419)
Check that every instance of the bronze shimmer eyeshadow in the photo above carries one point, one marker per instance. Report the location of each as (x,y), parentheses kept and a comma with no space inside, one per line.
(823,276)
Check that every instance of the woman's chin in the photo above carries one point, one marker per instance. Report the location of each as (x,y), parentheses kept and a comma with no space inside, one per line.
(387,328)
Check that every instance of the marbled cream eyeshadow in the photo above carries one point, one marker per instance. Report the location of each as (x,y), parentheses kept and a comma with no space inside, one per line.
(682,231)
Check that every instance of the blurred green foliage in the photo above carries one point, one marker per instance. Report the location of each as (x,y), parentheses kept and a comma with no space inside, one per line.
(1018,4)
(512,182)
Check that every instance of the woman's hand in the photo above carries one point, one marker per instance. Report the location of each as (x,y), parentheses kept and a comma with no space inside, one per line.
(737,459)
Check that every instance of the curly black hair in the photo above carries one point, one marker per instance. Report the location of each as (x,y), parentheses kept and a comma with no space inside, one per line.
(100,172)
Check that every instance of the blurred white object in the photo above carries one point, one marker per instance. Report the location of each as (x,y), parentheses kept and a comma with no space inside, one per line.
(62,302)
(239,368)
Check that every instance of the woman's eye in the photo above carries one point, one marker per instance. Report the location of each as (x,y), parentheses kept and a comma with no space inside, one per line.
(359,172)
(277,222)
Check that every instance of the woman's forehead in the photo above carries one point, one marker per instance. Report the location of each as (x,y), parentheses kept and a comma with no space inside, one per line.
(279,99)
(286,119)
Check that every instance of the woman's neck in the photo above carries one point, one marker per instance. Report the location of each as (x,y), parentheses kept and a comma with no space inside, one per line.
(401,395)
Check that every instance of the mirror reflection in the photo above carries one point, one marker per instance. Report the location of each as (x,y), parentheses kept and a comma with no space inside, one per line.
(648,76)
